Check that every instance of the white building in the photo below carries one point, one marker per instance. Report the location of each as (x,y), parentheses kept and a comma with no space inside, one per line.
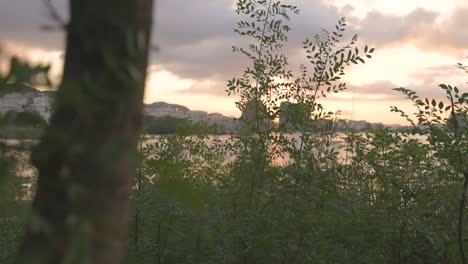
(34,101)
(30,99)
(161,109)
(198,115)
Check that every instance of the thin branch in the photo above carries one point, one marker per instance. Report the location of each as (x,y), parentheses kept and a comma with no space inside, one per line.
(461,212)
(55,16)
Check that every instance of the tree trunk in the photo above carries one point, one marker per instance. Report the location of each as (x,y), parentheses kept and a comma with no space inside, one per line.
(85,158)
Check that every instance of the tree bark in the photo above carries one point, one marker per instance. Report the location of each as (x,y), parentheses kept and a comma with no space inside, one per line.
(85,158)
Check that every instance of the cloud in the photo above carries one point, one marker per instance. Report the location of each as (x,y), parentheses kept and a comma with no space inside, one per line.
(439,74)
(21,22)
(207,87)
(383,91)
(427,30)
(198,45)
(376,88)
(195,37)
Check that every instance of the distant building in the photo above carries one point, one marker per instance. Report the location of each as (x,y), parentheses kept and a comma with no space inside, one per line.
(462,121)
(293,116)
(161,109)
(198,115)
(26,98)
(255,115)
(360,125)
(223,123)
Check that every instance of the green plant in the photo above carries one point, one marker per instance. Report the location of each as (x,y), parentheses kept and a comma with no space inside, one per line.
(249,206)
(22,72)
(17,176)
(445,126)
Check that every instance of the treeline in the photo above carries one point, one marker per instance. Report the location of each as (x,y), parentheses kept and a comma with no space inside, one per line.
(27,125)
(169,125)
(21,125)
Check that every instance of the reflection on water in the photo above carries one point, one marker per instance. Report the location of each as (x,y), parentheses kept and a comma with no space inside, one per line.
(16,142)
(337,142)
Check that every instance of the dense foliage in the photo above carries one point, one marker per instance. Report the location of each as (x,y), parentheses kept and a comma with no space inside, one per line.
(266,195)
(20,73)
(172,125)
(17,179)
(21,125)
(17,176)
(22,119)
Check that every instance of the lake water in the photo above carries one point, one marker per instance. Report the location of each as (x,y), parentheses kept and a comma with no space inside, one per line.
(23,152)
(337,142)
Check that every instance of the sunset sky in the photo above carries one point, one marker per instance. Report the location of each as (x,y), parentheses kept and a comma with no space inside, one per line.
(418,43)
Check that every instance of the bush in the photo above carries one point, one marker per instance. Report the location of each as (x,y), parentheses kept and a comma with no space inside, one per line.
(171,125)
(22,119)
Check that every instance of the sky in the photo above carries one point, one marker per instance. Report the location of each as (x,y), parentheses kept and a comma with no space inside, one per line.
(417,45)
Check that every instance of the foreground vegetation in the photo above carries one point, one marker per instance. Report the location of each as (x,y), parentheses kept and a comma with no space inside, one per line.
(264,196)
(21,125)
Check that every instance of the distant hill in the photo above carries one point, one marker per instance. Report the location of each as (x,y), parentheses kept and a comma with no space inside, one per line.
(162,105)
(21,88)
(21,97)
(163,109)
(16,88)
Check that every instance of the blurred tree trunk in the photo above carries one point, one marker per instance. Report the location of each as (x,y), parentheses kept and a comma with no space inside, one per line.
(85,158)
